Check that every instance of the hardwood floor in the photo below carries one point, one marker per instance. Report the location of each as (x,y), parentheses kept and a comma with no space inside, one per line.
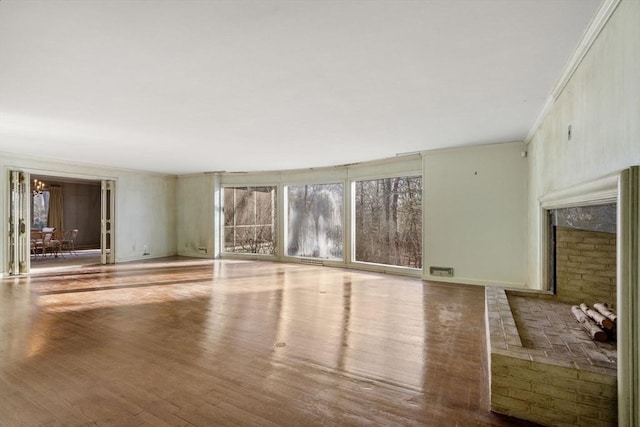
(65,261)
(184,342)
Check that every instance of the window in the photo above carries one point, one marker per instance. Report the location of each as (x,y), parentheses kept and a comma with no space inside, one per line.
(388,221)
(249,220)
(39,209)
(315,221)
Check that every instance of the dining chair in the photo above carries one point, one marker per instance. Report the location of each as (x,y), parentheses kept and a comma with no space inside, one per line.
(50,241)
(68,242)
(36,243)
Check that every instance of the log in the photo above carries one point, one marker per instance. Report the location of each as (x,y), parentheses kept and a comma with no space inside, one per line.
(602,321)
(605,311)
(589,325)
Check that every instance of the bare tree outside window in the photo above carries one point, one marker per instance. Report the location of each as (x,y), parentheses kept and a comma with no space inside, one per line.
(388,225)
(315,221)
(249,220)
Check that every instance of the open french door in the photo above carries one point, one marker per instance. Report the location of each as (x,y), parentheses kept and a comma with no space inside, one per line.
(107,210)
(19,212)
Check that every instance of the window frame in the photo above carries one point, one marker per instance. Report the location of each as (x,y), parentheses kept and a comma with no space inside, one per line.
(373,266)
(46,195)
(285,217)
(405,165)
(274,221)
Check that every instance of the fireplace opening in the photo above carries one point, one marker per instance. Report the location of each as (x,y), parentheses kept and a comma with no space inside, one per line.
(582,254)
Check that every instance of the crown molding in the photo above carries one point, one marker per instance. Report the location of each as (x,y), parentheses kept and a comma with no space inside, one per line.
(600,19)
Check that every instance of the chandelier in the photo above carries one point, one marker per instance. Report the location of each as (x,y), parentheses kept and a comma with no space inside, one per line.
(37,187)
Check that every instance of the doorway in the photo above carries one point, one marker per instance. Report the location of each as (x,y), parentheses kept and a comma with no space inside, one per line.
(58,222)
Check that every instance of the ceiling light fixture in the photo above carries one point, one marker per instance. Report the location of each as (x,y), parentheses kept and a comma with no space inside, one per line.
(37,187)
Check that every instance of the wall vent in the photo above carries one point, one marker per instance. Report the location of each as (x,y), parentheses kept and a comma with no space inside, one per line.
(311,261)
(441,271)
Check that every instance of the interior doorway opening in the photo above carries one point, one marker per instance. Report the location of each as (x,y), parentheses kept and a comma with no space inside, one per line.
(72,208)
(59,221)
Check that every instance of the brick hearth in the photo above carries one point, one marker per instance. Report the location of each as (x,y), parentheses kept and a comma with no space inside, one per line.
(538,376)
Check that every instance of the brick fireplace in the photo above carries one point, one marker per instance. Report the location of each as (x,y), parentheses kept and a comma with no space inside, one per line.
(544,367)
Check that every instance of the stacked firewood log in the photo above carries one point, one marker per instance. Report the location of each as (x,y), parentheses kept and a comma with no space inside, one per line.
(599,322)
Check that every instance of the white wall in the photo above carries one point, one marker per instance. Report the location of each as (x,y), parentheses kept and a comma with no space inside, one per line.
(475,214)
(196,213)
(145,215)
(601,102)
(145,205)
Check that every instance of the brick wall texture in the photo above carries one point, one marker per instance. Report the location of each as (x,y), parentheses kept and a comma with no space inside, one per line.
(585,266)
(552,395)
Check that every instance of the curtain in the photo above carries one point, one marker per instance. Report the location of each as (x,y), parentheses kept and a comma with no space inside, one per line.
(55,218)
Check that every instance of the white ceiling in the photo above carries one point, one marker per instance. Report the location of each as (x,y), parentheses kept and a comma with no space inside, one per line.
(195,86)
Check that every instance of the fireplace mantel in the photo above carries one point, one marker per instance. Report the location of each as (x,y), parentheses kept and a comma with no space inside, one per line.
(600,191)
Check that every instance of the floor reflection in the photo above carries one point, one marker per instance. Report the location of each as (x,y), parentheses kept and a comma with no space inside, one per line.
(222,342)
(353,330)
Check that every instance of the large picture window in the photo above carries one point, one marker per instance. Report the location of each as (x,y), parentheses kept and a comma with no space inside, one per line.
(39,210)
(249,220)
(315,221)
(388,224)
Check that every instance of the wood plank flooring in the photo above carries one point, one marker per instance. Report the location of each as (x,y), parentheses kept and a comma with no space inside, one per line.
(183,342)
